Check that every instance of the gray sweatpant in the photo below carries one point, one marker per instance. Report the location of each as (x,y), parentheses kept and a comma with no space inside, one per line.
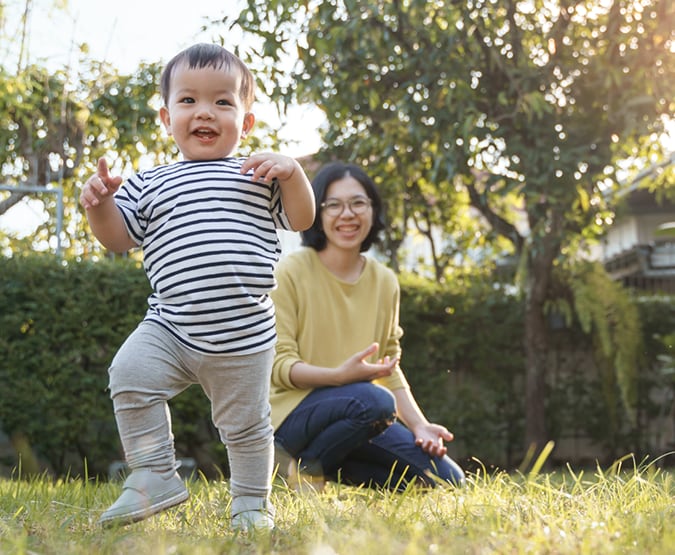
(152,367)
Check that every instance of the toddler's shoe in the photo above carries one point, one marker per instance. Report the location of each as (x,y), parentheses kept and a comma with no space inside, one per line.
(252,514)
(145,493)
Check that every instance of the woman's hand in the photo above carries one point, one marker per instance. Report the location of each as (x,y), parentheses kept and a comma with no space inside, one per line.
(357,369)
(430,438)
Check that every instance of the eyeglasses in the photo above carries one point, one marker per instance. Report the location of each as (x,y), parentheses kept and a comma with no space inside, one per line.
(357,205)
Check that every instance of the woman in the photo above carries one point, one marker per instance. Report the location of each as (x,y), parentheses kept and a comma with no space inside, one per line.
(341,406)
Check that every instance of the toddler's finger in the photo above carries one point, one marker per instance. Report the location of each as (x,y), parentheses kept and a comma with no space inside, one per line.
(102,168)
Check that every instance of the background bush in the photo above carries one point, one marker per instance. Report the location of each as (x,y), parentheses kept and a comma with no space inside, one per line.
(60,326)
(62,322)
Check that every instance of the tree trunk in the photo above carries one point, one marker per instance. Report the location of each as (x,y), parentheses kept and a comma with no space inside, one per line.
(536,347)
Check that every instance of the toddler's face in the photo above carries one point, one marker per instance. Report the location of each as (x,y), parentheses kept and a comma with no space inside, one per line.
(204,113)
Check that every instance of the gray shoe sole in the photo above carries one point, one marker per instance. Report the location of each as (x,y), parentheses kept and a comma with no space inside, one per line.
(122,519)
(144,494)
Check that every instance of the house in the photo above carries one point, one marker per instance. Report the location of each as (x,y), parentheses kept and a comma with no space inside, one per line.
(639,248)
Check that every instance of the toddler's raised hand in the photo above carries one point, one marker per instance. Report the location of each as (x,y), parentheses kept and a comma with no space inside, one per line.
(99,187)
(267,166)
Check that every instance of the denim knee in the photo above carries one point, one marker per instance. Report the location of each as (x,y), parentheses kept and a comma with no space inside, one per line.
(380,406)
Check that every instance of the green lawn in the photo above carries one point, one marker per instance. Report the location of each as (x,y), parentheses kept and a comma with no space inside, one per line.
(627,508)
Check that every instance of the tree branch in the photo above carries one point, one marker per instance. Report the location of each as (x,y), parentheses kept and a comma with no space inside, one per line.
(12,200)
(499,224)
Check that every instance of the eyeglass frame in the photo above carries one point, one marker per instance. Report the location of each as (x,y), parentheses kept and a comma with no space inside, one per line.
(329,205)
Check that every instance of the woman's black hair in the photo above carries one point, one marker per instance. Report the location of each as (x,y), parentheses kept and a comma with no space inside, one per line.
(314,236)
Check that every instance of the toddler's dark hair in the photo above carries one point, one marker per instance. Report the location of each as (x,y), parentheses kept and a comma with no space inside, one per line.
(203,55)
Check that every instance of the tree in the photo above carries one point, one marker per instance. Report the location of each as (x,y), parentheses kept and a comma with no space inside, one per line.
(524,111)
(54,125)
(56,122)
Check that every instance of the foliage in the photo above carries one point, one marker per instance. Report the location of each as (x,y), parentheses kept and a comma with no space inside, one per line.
(658,324)
(484,102)
(62,323)
(523,111)
(625,508)
(55,125)
(55,331)
(606,312)
(60,326)
(462,357)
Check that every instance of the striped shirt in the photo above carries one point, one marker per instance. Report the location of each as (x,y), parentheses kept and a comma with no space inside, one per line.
(210,246)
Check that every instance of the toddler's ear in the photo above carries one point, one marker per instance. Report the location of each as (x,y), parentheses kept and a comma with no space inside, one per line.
(249,121)
(165,117)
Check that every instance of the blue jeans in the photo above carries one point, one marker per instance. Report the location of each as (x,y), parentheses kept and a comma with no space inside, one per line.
(348,433)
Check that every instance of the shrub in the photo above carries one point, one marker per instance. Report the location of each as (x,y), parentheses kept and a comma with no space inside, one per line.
(63,321)
(60,326)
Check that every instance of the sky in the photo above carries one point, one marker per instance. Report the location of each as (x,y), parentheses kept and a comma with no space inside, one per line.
(124,33)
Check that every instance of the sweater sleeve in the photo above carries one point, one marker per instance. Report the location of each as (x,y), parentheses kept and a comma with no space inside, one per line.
(286,309)
(391,345)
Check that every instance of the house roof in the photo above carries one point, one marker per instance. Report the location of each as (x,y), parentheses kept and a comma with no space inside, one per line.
(645,201)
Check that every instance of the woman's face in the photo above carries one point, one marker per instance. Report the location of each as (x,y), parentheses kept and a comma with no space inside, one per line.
(346,214)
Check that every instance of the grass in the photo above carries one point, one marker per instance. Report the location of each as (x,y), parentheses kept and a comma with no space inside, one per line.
(627,508)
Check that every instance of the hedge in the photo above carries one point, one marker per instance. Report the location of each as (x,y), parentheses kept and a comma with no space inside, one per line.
(62,322)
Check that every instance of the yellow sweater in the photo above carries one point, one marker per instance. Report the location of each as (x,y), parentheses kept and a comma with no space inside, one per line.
(322,321)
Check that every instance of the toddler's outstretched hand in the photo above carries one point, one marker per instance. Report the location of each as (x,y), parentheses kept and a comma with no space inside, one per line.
(99,187)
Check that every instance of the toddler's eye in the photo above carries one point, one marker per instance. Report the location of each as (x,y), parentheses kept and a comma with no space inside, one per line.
(187,100)
(224,102)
